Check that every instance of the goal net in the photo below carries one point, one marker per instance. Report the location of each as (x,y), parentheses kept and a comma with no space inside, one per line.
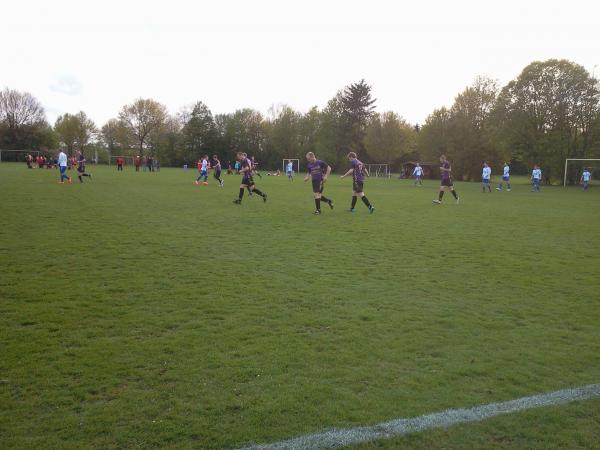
(378,170)
(127,160)
(574,168)
(295,165)
(16,155)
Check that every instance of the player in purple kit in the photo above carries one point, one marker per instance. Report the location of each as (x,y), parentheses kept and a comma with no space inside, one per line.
(216,167)
(446,175)
(358,172)
(319,171)
(81,166)
(247,180)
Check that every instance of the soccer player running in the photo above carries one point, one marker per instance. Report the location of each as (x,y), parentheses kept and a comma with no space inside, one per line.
(486,177)
(216,166)
(203,168)
(247,179)
(505,178)
(447,183)
(585,179)
(62,165)
(319,171)
(81,166)
(358,172)
(418,174)
(290,170)
(255,167)
(536,178)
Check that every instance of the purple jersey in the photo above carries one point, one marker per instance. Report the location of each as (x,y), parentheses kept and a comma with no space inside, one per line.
(247,163)
(216,165)
(317,169)
(81,162)
(359,174)
(445,174)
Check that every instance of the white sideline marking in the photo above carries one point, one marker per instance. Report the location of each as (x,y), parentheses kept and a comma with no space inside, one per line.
(398,427)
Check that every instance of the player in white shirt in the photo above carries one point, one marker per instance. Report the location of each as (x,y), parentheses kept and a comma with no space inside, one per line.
(505,178)
(203,171)
(486,177)
(62,165)
(536,178)
(418,174)
(585,179)
(289,169)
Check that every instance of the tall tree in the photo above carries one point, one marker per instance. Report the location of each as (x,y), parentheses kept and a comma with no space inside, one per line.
(114,136)
(547,114)
(199,132)
(389,137)
(358,107)
(75,130)
(22,119)
(469,128)
(142,118)
(433,137)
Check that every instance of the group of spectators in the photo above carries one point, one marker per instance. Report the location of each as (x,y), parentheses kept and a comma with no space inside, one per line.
(148,164)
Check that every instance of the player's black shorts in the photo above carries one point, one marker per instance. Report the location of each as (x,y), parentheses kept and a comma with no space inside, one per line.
(317,186)
(81,169)
(447,182)
(248,181)
(357,187)
(217,174)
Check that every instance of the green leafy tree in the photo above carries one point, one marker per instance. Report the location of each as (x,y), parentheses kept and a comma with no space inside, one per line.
(142,119)
(284,133)
(357,108)
(548,114)
(470,130)
(433,138)
(389,138)
(75,130)
(199,132)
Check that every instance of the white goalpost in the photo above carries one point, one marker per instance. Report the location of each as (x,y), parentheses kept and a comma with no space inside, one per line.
(379,170)
(295,162)
(574,159)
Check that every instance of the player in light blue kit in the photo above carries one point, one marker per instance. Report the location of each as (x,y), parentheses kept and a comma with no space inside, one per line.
(585,179)
(418,174)
(62,165)
(486,177)
(536,178)
(289,169)
(203,172)
(505,178)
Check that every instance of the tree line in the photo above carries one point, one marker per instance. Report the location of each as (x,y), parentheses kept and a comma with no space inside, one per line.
(550,112)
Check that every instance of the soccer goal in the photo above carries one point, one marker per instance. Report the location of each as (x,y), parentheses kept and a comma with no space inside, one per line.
(378,170)
(16,155)
(295,162)
(594,163)
(127,160)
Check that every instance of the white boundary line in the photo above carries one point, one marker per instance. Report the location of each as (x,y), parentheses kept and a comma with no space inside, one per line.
(343,437)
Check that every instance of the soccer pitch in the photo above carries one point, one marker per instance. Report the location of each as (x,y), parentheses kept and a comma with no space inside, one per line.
(141,311)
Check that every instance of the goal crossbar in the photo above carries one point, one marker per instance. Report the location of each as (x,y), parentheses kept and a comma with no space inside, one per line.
(36,152)
(378,170)
(575,159)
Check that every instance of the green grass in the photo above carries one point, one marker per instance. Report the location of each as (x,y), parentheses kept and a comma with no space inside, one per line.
(140,311)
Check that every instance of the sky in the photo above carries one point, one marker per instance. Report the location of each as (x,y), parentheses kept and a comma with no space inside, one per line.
(96,56)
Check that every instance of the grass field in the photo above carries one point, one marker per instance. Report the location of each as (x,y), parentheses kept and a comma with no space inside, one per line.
(140,311)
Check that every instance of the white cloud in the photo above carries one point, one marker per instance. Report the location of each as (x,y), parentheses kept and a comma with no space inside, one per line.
(67,85)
